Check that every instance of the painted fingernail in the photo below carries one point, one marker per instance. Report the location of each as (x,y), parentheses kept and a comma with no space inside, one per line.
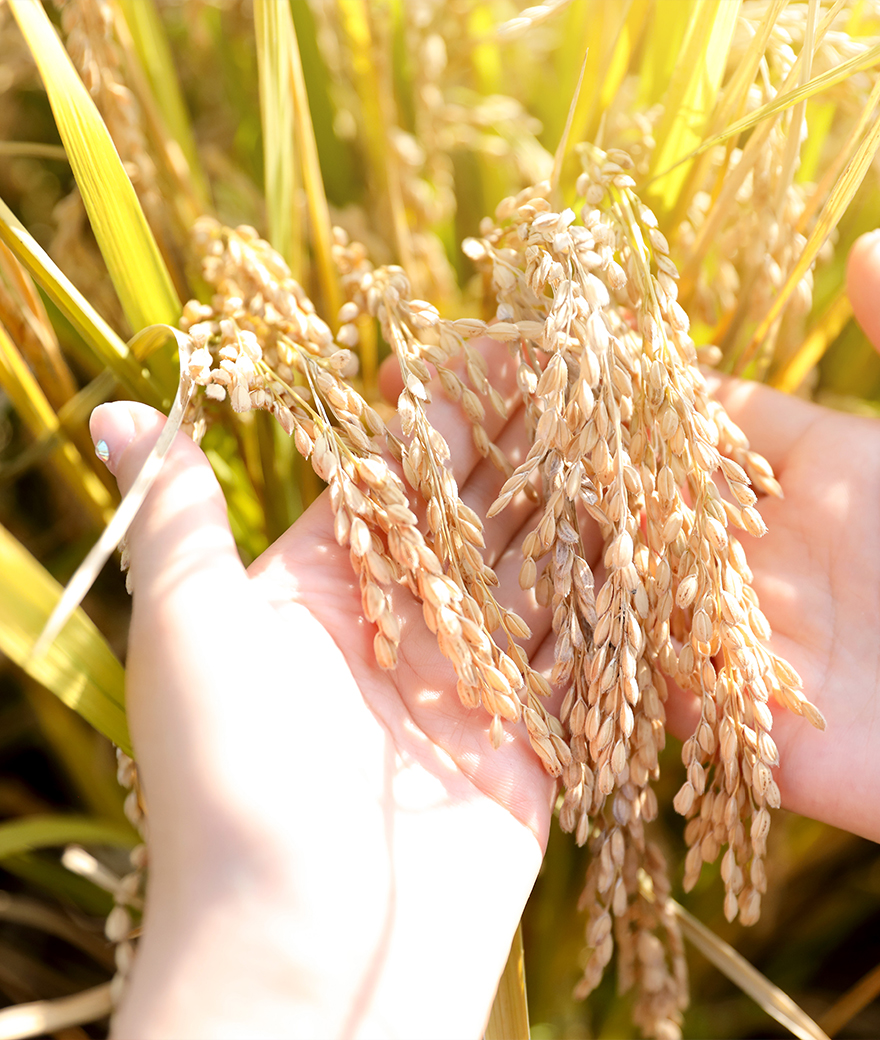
(112,429)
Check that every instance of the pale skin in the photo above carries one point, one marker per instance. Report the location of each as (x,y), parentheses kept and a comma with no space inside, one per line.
(336,850)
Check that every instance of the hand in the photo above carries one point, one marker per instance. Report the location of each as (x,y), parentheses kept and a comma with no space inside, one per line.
(817,574)
(335,850)
(333,846)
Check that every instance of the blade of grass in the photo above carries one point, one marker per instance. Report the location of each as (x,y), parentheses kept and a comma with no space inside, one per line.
(316,200)
(784,100)
(837,163)
(80,668)
(669,26)
(150,44)
(373,83)
(39,417)
(733,100)
(692,92)
(25,317)
(37,868)
(106,346)
(41,1017)
(47,830)
(114,532)
(771,998)
(78,748)
(752,151)
(838,201)
(509,1017)
(844,1010)
(274,43)
(121,230)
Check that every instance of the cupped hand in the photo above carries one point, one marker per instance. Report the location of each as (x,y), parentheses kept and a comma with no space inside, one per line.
(817,575)
(332,845)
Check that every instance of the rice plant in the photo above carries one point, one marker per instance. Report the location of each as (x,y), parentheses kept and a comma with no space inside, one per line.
(236,211)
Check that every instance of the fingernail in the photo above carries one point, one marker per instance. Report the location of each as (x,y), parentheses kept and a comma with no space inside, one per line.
(112,428)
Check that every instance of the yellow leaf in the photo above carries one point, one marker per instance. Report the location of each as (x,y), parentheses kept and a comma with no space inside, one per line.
(43,831)
(79,668)
(126,242)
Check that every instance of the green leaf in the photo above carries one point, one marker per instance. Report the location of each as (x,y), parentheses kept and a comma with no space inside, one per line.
(123,235)
(106,346)
(41,831)
(79,667)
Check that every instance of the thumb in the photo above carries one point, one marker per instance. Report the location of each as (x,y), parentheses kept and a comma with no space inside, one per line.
(181,532)
(189,588)
(863,284)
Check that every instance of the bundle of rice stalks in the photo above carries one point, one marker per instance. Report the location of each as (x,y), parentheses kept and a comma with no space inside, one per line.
(683,196)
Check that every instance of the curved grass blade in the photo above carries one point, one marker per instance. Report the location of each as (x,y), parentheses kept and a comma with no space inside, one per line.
(107,347)
(771,998)
(42,1017)
(144,342)
(41,420)
(80,668)
(51,829)
(136,268)
(784,100)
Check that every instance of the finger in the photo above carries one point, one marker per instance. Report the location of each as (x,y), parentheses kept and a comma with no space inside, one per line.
(190,592)
(180,538)
(863,284)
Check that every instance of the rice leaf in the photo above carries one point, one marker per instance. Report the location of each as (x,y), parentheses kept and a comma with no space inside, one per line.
(798,114)
(106,346)
(320,223)
(274,42)
(693,90)
(858,997)
(669,27)
(38,415)
(50,829)
(509,1017)
(373,79)
(80,668)
(151,46)
(78,749)
(786,99)
(771,998)
(136,268)
(75,412)
(84,577)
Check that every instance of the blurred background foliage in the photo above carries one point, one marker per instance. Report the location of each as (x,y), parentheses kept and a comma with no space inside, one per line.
(405,122)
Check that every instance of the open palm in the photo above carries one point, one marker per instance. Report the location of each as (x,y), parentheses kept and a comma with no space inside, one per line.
(817,574)
(315,818)
(265,731)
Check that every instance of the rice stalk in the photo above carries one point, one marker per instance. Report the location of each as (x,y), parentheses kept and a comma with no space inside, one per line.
(139,275)
(703,121)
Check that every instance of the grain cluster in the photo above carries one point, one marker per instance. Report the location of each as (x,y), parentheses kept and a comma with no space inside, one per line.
(624,439)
